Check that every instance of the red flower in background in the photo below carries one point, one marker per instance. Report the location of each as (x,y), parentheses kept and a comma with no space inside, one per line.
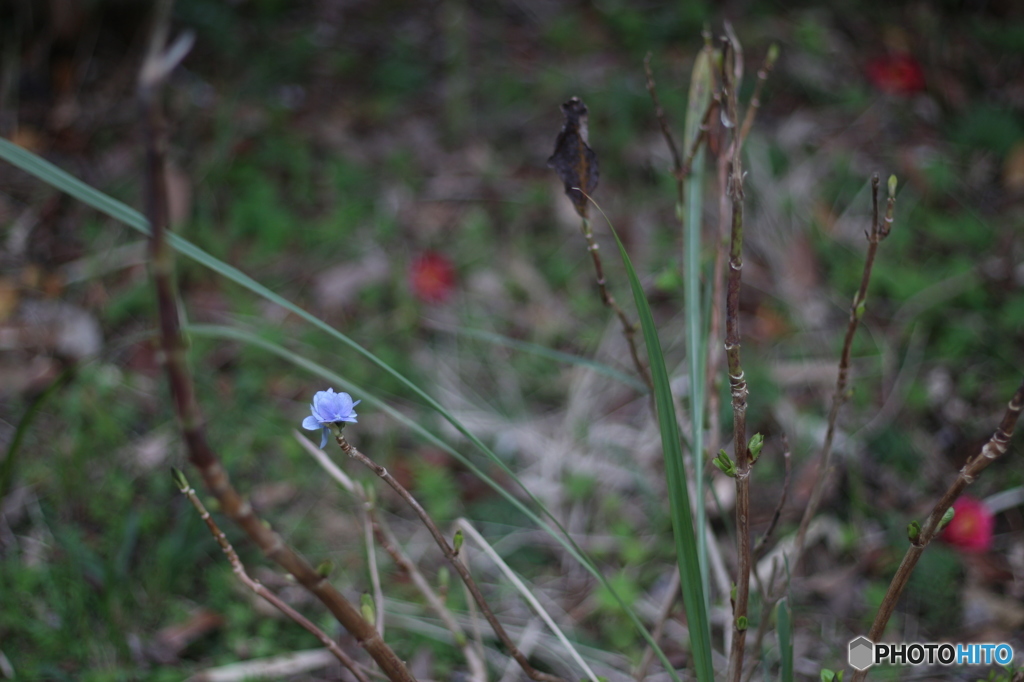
(432,277)
(896,74)
(971,527)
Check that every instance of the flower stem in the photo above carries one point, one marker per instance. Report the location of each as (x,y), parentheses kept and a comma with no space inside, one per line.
(453,559)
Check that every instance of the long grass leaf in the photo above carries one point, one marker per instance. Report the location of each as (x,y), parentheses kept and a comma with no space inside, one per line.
(784,619)
(527,595)
(679,497)
(701,86)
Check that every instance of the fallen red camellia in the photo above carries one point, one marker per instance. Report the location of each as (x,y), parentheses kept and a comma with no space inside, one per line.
(432,277)
(971,528)
(896,74)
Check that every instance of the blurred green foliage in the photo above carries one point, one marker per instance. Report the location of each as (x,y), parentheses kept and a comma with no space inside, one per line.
(115,552)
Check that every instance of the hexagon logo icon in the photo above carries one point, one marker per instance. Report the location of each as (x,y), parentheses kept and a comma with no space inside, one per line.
(862,653)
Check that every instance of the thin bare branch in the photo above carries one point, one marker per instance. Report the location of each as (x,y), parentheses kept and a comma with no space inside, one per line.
(993,449)
(628,328)
(879,231)
(762,544)
(257,587)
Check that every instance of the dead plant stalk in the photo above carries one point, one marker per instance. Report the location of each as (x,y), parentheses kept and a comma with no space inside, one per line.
(737,383)
(453,559)
(156,67)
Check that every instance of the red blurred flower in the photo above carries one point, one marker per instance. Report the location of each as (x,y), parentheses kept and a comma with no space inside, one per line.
(971,527)
(432,277)
(896,74)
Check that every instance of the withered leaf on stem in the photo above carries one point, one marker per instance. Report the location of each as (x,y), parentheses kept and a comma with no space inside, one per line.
(573,160)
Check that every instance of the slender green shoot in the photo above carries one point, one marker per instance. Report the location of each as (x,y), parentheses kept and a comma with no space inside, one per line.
(679,497)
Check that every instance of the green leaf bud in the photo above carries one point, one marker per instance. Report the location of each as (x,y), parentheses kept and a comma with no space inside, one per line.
(946,518)
(755,445)
(179,479)
(725,464)
(367,609)
(457,541)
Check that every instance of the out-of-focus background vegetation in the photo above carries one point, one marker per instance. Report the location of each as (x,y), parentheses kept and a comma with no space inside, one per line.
(383,165)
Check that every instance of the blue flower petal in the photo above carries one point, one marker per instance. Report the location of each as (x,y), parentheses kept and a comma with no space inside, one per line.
(327,408)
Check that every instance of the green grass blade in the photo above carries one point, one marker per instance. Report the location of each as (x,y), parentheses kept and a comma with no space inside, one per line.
(557,356)
(701,86)
(679,497)
(784,619)
(65,182)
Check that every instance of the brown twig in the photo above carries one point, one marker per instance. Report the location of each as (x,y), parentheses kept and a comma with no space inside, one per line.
(628,328)
(702,137)
(681,167)
(453,559)
(993,449)
(257,587)
(762,544)
(879,231)
(157,66)
(737,380)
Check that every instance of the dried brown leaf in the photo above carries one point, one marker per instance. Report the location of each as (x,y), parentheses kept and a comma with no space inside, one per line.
(573,160)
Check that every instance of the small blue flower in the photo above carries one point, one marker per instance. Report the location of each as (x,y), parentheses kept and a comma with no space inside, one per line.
(328,408)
